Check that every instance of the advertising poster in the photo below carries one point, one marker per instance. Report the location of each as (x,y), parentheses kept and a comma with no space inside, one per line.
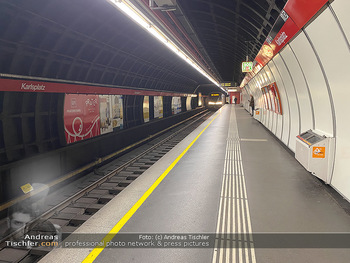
(81,117)
(117,111)
(146,108)
(200,99)
(176,105)
(111,113)
(158,107)
(273,98)
(188,103)
(274,91)
(105,114)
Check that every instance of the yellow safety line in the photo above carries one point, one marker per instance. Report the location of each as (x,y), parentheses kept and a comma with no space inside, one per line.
(97,250)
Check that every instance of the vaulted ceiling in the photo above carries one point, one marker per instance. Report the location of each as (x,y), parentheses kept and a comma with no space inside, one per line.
(91,41)
(229,30)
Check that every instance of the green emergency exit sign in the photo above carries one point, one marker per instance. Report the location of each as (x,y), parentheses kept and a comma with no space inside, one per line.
(247,66)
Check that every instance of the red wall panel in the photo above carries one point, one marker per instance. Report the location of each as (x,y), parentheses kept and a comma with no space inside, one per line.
(301,11)
(81,117)
(237,95)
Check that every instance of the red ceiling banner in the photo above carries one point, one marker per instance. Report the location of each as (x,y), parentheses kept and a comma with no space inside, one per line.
(301,11)
(293,17)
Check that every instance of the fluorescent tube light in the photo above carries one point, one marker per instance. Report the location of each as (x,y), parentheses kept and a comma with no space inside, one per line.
(128,10)
(155,33)
(172,47)
(144,22)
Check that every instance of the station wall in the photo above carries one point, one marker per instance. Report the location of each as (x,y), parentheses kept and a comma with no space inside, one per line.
(311,73)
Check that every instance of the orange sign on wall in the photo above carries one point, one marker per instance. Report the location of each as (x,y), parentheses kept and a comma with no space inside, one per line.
(318,152)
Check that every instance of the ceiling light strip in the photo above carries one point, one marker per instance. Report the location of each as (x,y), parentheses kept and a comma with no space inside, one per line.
(145,23)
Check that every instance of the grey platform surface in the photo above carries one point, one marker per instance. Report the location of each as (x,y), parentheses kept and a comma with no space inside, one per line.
(282,197)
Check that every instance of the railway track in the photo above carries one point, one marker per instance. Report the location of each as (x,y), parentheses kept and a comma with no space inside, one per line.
(91,193)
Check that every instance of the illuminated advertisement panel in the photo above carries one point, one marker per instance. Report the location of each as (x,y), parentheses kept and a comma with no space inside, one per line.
(146,108)
(188,103)
(105,114)
(81,117)
(111,113)
(117,111)
(158,107)
(176,105)
(272,98)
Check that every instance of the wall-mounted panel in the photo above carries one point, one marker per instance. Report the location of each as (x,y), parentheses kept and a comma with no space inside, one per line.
(258,99)
(341,9)
(316,82)
(111,113)
(244,97)
(270,120)
(269,79)
(306,114)
(145,106)
(294,128)
(262,108)
(284,101)
(158,107)
(261,99)
(188,103)
(337,76)
(176,105)
(269,74)
(82,117)
(249,90)
(255,93)
(279,126)
(265,117)
(260,81)
(267,105)
(274,122)
(264,77)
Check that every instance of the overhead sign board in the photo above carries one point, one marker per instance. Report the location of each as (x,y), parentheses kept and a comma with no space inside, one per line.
(226,84)
(247,66)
